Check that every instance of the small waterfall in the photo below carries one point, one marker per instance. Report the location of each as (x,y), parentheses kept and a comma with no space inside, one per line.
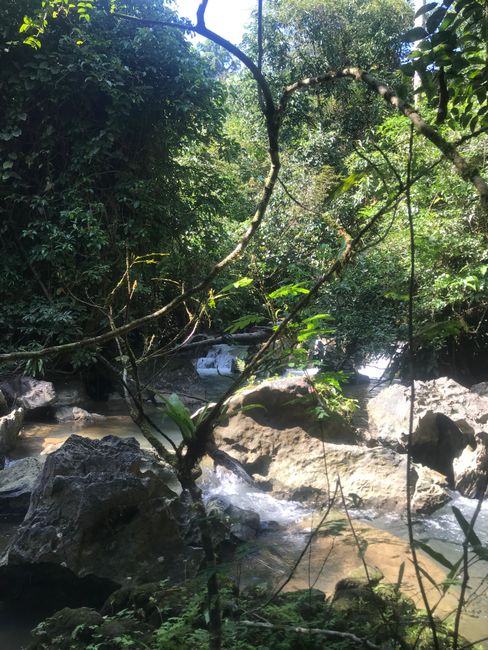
(223,483)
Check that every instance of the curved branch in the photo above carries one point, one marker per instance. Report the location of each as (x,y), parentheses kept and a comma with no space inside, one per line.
(465,169)
(176,302)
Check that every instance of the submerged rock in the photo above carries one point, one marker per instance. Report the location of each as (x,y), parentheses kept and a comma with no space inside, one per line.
(76,414)
(104,507)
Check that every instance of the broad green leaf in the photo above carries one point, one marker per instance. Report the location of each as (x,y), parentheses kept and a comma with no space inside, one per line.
(288,290)
(415,34)
(244,321)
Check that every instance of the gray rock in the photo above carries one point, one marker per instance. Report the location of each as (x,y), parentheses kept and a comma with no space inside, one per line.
(242,524)
(16,484)
(446,418)
(471,468)
(480,389)
(104,508)
(76,414)
(29,393)
(298,464)
(3,404)
(10,426)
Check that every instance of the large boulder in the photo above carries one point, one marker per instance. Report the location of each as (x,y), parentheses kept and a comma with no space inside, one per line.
(16,484)
(29,393)
(297,462)
(10,426)
(285,403)
(471,468)
(105,508)
(446,418)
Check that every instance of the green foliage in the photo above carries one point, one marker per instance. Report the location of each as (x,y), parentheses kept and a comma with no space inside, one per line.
(104,134)
(451,57)
(180,415)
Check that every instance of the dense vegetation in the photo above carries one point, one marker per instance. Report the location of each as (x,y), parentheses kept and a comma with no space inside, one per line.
(124,147)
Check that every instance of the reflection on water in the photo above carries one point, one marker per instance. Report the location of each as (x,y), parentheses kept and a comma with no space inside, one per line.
(46,437)
(443,534)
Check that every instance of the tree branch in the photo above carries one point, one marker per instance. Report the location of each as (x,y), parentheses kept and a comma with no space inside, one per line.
(468,171)
(311,630)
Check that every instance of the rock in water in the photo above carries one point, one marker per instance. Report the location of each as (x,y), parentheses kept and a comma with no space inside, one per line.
(104,507)
(447,417)
(30,393)
(10,426)
(241,524)
(471,468)
(282,445)
(76,414)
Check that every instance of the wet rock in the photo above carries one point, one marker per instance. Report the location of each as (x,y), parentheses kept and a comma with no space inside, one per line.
(446,418)
(430,490)
(471,468)
(10,426)
(30,393)
(242,524)
(298,464)
(103,507)
(3,404)
(76,414)
(16,484)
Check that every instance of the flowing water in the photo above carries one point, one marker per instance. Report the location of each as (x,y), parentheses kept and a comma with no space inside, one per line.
(286,526)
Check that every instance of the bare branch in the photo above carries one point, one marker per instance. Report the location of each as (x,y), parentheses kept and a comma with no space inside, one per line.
(201,14)
(219,40)
(311,630)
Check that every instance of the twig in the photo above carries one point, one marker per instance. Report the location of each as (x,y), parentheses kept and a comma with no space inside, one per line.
(311,630)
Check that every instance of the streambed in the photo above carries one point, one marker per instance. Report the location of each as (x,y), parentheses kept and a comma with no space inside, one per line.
(285,531)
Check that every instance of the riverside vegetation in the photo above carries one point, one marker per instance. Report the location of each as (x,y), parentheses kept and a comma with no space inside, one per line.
(131,162)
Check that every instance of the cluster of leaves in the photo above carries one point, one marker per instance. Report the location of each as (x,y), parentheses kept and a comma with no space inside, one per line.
(451,56)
